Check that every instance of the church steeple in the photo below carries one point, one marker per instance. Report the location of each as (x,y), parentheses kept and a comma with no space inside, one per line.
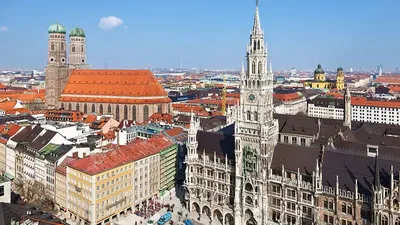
(257,25)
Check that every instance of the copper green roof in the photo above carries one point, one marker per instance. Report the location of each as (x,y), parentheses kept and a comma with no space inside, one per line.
(340,69)
(77,32)
(57,29)
(319,70)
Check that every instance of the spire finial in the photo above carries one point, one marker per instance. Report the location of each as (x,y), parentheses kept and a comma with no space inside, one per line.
(257,26)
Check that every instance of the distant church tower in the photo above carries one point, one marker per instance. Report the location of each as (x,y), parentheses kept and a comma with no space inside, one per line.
(347,108)
(77,49)
(57,69)
(256,132)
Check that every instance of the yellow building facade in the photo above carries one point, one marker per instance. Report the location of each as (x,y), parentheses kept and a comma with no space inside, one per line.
(320,81)
(98,198)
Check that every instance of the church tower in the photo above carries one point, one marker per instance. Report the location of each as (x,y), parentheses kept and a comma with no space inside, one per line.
(57,69)
(256,132)
(340,79)
(77,49)
(347,109)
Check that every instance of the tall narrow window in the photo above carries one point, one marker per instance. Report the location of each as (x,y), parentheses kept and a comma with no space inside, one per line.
(62,46)
(145,113)
(93,108)
(134,113)
(259,45)
(73,48)
(260,67)
(117,112)
(52,46)
(255,45)
(82,49)
(125,112)
(159,109)
(248,115)
(70,106)
(77,107)
(255,116)
(101,109)
(253,68)
(62,105)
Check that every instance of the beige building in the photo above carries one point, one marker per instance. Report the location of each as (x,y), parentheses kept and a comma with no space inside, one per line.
(61,184)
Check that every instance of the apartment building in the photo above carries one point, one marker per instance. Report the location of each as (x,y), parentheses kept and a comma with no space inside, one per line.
(326,107)
(102,186)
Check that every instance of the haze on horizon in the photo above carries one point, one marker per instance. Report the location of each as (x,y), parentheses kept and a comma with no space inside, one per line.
(207,34)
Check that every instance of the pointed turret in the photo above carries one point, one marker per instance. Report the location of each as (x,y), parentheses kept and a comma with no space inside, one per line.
(347,109)
(270,67)
(242,72)
(377,180)
(257,26)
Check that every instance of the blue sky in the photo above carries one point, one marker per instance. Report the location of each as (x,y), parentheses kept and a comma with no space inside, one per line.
(207,33)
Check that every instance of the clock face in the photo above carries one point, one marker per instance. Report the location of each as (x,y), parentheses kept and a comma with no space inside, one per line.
(252,97)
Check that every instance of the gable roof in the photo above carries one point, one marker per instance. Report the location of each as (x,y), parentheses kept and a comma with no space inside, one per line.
(130,86)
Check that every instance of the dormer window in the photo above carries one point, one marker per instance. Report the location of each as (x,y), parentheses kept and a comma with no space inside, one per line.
(372,150)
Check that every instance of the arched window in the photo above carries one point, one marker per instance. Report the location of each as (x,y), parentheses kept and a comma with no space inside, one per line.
(85,108)
(93,108)
(101,109)
(260,67)
(109,109)
(117,112)
(159,108)
(255,45)
(259,46)
(344,208)
(70,106)
(52,46)
(134,113)
(145,113)
(62,105)
(249,200)
(384,220)
(255,116)
(77,107)
(125,112)
(73,48)
(248,115)
(253,67)
(62,46)
(248,187)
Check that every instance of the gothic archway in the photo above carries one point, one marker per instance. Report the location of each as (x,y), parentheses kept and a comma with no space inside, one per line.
(218,215)
(93,108)
(69,106)
(206,210)
(248,187)
(134,113)
(109,109)
(249,217)
(77,107)
(249,201)
(85,108)
(117,112)
(196,207)
(101,109)
(229,219)
(145,113)
(125,112)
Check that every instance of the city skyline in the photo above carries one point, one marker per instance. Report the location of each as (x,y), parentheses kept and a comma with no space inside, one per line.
(206,34)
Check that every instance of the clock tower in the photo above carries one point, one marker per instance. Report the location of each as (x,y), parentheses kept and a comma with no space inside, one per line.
(256,132)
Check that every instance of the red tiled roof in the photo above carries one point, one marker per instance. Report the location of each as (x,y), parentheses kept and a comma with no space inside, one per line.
(287,97)
(213,101)
(11,129)
(164,117)
(90,118)
(62,168)
(136,150)
(362,101)
(126,84)
(18,111)
(7,105)
(174,131)
(388,79)
(74,116)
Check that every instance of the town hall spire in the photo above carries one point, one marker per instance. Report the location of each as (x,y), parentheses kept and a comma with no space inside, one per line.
(257,25)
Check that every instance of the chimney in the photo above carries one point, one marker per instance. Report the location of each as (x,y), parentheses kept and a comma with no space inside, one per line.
(75,155)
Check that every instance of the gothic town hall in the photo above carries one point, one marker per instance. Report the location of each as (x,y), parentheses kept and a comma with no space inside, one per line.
(264,168)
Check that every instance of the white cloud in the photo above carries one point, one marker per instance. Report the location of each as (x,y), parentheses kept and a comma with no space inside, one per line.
(3,29)
(110,22)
